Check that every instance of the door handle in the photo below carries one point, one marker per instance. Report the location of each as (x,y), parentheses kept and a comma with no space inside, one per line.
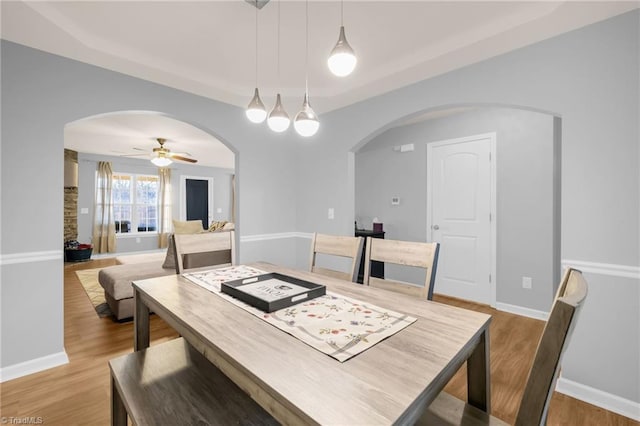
(435,227)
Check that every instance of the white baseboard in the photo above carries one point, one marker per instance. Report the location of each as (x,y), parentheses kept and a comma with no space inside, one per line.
(522,311)
(33,366)
(610,402)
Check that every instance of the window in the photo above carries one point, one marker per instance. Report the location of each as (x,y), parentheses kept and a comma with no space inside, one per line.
(135,203)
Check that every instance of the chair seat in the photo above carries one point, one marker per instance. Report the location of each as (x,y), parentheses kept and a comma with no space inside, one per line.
(449,410)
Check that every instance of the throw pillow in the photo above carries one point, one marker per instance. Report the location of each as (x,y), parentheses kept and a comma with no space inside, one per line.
(170,259)
(187,226)
(216,226)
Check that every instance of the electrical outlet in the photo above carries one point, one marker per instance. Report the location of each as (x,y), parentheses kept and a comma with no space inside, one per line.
(527,282)
(331,214)
(137,239)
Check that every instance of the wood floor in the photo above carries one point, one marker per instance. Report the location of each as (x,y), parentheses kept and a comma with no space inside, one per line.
(78,393)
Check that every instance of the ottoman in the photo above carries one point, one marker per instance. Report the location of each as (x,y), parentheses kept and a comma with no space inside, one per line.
(116,281)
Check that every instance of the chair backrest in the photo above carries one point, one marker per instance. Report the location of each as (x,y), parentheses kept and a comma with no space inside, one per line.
(546,364)
(337,245)
(409,253)
(198,251)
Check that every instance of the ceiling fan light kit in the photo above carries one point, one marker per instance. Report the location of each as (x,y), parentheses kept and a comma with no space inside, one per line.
(162,156)
(161,161)
(342,61)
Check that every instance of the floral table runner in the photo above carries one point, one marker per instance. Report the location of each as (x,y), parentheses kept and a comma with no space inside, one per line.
(336,325)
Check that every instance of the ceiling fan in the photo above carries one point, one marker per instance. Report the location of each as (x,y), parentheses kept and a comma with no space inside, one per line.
(162,156)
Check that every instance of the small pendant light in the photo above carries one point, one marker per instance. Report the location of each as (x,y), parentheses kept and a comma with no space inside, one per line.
(306,122)
(342,60)
(256,112)
(278,120)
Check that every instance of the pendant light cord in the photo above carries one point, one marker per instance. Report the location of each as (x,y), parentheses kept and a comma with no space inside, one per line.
(279,1)
(306,46)
(342,13)
(256,43)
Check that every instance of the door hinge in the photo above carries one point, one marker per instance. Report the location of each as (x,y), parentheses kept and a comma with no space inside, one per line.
(489,278)
(490,218)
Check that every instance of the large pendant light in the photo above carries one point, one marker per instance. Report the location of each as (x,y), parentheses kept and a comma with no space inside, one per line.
(278,120)
(306,122)
(342,60)
(256,112)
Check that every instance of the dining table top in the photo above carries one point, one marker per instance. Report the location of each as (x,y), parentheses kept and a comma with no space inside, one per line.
(390,383)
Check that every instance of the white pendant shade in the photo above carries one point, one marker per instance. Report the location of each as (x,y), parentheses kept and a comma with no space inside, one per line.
(306,122)
(278,120)
(342,60)
(161,161)
(256,112)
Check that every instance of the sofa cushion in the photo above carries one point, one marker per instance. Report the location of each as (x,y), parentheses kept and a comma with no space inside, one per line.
(217,225)
(187,226)
(141,258)
(116,280)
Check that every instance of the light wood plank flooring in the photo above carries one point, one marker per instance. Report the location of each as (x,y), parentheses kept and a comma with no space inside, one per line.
(78,393)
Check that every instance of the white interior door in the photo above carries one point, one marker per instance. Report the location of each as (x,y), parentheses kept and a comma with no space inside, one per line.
(461,215)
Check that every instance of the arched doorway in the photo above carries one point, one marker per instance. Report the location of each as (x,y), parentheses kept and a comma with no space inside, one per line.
(127,140)
(391,176)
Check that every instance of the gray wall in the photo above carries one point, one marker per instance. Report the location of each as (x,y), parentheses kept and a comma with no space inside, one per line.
(41,93)
(589,78)
(524,185)
(87,166)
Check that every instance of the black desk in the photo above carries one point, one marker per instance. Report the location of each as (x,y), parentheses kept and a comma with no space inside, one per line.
(377,268)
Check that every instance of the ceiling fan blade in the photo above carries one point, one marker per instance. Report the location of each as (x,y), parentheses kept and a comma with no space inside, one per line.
(140,149)
(181,158)
(134,155)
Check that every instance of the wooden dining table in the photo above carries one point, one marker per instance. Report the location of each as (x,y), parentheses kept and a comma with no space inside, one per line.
(390,383)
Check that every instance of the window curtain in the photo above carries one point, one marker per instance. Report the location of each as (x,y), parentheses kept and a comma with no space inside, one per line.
(104,229)
(164,201)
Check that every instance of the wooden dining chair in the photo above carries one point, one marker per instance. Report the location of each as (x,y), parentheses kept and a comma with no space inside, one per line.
(408,253)
(197,251)
(337,245)
(448,410)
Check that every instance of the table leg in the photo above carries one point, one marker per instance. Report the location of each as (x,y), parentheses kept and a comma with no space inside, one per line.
(141,323)
(118,410)
(479,375)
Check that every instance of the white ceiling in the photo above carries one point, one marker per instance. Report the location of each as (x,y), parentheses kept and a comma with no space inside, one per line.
(127,134)
(208,47)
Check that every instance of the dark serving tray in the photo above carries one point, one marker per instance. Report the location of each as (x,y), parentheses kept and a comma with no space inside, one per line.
(270,292)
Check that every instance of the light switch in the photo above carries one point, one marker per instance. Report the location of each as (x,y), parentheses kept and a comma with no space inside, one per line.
(331,214)
(84,210)
(219,210)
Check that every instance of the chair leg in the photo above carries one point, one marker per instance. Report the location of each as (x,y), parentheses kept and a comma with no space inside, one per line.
(118,410)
